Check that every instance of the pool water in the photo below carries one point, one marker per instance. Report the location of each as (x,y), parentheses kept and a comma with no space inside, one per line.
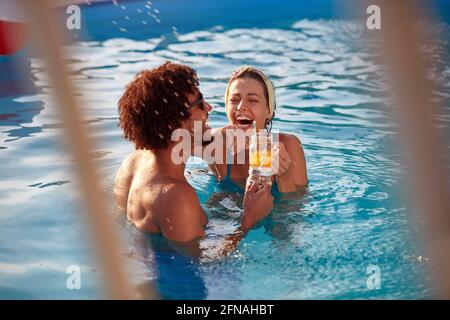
(316,245)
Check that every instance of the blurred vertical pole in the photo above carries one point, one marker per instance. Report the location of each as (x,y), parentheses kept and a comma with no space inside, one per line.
(402,43)
(48,39)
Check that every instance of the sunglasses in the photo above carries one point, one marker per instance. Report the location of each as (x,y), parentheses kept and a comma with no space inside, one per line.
(199,102)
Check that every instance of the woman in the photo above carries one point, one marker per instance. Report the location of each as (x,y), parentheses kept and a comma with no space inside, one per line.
(250,96)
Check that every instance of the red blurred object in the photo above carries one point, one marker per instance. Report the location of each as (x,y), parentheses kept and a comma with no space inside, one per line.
(13,36)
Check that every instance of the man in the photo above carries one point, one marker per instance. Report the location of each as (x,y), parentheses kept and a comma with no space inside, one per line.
(150,187)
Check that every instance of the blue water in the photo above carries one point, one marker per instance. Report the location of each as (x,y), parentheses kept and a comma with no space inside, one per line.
(316,245)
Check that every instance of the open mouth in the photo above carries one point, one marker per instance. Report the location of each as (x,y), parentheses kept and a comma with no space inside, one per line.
(243,121)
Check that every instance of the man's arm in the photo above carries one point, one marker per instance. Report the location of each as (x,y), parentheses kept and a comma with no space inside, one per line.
(182,219)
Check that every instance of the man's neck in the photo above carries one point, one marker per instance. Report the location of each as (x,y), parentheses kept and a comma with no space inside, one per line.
(165,165)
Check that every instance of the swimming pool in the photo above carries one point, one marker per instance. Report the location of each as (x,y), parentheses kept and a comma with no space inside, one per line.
(316,246)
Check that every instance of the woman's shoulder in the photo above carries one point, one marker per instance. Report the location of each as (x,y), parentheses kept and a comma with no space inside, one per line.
(294,148)
(290,140)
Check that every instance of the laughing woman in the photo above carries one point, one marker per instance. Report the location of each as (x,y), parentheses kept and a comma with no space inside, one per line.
(250,96)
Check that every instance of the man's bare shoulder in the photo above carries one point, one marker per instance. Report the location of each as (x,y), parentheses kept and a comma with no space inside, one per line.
(179,214)
(128,164)
(175,195)
(123,179)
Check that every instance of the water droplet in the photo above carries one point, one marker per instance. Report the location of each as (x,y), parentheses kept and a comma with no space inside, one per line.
(174,29)
(156,11)
(123,7)
(171,228)
(156,112)
(127,17)
(157,20)
(165,100)
(123,29)
(170,80)
(161,136)
(114,22)
(144,22)
(139,10)
(176,94)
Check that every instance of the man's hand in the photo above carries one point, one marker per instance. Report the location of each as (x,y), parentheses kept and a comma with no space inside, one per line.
(281,161)
(258,203)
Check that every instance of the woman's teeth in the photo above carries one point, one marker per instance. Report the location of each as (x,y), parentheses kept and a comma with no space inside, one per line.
(244,121)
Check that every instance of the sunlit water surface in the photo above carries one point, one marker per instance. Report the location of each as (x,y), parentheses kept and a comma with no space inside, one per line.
(319,245)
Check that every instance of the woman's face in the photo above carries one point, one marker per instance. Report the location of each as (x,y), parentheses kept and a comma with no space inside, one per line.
(247,103)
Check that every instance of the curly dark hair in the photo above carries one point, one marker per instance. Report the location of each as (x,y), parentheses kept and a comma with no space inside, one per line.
(155,103)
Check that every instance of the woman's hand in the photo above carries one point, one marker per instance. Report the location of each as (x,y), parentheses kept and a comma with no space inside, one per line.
(281,160)
(258,202)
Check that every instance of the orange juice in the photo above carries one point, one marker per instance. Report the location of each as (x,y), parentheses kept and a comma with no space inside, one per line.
(261,153)
(259,159)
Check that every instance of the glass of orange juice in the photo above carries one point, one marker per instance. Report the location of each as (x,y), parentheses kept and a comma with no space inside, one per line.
(261,153)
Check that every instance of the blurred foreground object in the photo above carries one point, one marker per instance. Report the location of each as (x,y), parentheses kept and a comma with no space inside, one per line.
(47,40)
(416,111)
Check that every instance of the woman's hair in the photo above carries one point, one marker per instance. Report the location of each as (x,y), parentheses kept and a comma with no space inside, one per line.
(261,77)
(155,103)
